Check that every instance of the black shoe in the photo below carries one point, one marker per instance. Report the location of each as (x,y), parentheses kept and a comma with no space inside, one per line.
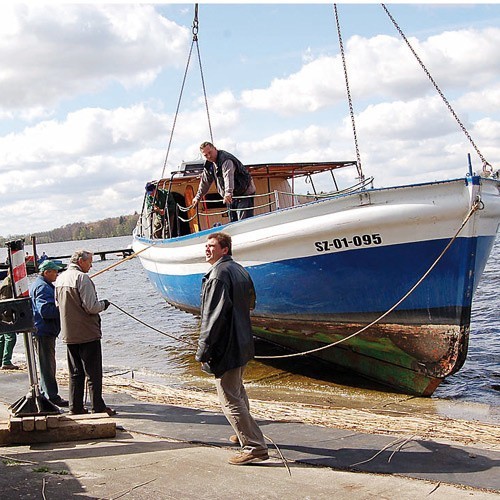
(10,366)
(108,410)
(60,402)
(83,411)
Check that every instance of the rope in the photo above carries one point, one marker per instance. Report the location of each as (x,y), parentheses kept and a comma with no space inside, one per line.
(190,343)
(476,206)
(131,256)
(193,43)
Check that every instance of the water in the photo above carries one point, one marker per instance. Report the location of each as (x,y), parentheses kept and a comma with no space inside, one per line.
(130,346)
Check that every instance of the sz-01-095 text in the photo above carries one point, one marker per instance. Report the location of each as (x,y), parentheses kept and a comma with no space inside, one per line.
(354,241)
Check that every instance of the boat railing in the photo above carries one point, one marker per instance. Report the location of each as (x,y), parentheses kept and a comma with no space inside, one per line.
(226,211)
(197,219)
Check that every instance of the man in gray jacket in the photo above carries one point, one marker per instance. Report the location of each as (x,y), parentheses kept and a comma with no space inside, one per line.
(226,343)
(233,180)
(81,332)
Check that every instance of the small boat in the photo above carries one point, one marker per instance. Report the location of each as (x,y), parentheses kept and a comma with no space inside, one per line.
(376,280)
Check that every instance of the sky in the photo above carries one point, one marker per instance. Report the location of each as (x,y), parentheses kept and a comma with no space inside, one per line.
(89,94)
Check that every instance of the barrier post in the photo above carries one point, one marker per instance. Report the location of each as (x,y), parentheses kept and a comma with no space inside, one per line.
(34,403)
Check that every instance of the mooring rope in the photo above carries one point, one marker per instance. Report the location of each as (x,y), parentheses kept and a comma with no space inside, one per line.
(188,342)
(131,256)
(476,206)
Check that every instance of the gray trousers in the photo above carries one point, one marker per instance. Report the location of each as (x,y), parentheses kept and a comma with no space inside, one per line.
(234,401)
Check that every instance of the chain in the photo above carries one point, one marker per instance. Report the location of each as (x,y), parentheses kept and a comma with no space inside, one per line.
(351,108)
(194,31)
(462,126)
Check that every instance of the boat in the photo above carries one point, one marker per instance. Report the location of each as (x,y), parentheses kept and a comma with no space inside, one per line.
(376,280)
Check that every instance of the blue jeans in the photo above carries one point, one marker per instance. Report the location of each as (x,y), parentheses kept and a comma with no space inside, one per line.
(241,208)
(46,350)
(7,343)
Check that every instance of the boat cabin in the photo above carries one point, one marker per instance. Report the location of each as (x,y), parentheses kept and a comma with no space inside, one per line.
(275,185)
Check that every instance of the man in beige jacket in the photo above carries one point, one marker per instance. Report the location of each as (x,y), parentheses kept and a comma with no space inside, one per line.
(81,332)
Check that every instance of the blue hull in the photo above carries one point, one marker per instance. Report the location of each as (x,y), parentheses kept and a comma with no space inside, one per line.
(356,285)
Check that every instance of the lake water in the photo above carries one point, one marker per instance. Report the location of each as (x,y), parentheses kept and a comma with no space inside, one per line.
(129,346)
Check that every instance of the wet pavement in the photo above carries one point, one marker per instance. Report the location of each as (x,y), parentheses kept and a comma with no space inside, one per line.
(167,451)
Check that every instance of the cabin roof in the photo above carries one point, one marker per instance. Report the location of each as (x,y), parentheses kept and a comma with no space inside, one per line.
(263,170)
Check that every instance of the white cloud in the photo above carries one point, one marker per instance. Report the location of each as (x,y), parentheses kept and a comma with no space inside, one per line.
(383,66)
(50,52)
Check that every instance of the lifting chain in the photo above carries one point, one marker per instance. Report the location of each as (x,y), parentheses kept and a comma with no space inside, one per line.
(462,126)
(194,31)
(351,108)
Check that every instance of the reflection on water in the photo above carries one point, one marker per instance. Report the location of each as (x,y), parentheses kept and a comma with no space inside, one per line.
(129,345)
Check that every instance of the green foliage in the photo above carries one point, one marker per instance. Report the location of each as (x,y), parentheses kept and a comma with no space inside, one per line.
(106,228)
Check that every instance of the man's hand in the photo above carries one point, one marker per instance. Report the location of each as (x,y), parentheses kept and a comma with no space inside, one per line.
(107,303)
(228,198)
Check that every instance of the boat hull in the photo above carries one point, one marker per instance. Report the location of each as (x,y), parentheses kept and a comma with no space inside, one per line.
(326,270)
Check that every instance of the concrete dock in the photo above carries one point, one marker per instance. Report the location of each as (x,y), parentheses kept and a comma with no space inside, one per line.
(166,451)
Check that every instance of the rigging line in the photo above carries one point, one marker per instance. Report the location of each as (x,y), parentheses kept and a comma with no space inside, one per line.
(477,205)
(195,38)
(426,71)
(204,89)
(131,256)
(190,343)
(349,98)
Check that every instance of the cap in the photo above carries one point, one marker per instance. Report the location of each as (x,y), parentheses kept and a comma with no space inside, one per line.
(150,187)
(48,265)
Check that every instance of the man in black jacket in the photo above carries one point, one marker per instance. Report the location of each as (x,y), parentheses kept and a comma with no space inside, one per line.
(226,344)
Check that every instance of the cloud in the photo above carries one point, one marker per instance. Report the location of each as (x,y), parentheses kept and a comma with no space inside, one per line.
(52,52)
(382,66)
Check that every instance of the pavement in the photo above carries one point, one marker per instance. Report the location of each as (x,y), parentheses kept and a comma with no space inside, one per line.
(163,451)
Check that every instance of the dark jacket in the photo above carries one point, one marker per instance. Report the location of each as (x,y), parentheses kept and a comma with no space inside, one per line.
(45,311)
(226,339)
(239,182)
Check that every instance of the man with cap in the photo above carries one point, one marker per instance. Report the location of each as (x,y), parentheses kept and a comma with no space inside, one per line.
(48,326)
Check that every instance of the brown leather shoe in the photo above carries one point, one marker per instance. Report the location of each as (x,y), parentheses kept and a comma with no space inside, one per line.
(248,456)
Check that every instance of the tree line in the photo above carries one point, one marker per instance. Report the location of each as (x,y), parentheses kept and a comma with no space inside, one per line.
(106,228)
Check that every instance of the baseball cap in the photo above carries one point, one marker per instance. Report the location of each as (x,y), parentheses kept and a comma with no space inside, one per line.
(48,265)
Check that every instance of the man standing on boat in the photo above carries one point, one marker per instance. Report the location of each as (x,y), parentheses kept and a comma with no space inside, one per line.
(234,182)
(81,332)
(226,343)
